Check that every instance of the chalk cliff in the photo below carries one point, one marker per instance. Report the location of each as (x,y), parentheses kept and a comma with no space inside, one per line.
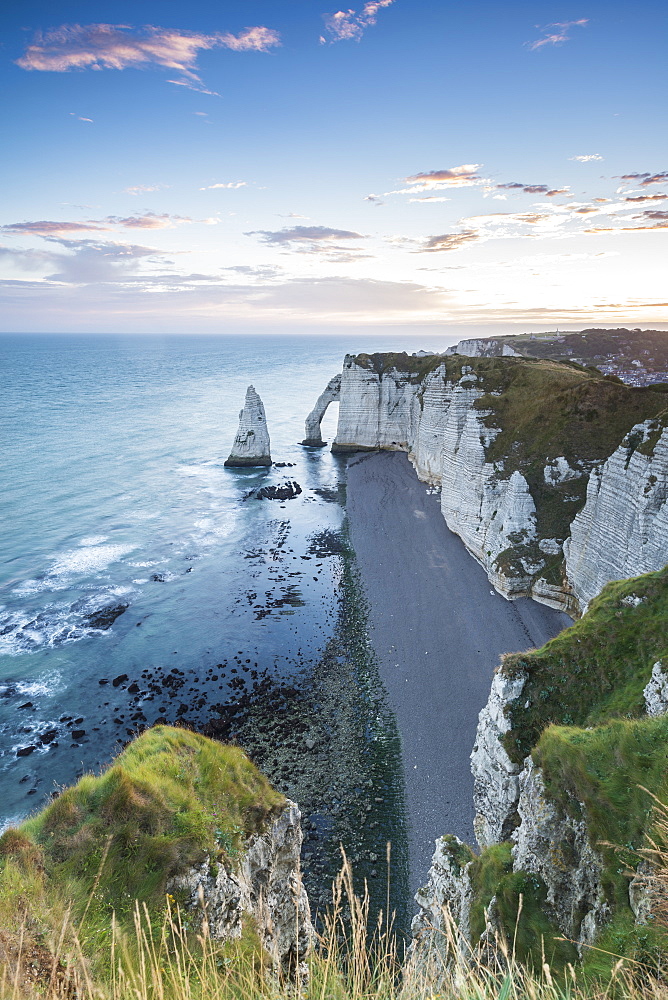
(523,450)
(265,886)
(251,445)
(622,529)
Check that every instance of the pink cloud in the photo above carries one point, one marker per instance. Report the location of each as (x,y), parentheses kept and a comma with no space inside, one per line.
(110,46)
(558,35)
(349,25)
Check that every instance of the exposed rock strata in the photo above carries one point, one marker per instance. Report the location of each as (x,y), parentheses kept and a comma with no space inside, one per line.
(251,445)
(443,919)
(622,530)
(550,843)
(496,785)
(312,432)
(656,691)
(265,885)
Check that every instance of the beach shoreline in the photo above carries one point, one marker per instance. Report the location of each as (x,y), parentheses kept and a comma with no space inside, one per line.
(438,630)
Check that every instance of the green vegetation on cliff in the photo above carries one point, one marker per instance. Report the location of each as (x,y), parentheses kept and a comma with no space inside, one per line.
(72,877)
(597,669)
(581,715)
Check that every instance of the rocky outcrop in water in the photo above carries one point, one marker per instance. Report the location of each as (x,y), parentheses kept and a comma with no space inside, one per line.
(251,445)
(312,433)
(265,886)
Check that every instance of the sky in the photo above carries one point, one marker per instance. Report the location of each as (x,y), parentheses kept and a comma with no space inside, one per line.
(458,167)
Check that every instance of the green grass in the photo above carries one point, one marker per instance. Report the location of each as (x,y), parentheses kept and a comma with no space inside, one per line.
(596,670)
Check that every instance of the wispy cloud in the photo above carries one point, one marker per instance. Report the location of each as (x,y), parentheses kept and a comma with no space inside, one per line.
(304,234)
(50,228)
(465,175)
(450,241)
(646,197)
(556,34)
(112,46)
(532,189)
(586,157)
(149,220)
(227,185)
(375,199)
(645,179)
(80,118)
(144,188)
(349,25)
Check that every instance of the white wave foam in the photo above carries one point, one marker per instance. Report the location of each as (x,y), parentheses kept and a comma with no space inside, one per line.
(94,540)
(87,560)
(55,624)
(15,820)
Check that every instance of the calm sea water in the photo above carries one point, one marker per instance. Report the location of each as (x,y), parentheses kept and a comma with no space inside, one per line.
(114,496)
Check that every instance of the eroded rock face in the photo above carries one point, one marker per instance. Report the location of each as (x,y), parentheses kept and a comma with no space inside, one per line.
(265,885)
(443,921)
(312,433)
(496,786)
(251,445)
(656,691)
(550,843)
(622,530)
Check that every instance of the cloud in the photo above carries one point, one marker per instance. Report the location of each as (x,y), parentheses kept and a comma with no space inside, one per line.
(532,189)
(429,197)
(110,46)
(450,241)
(230,185)
(144,188)
(348,25)
(435,180)
(79,118)
(375,199)
(45,228)
(149,220)
(647,197)
(304,234)
(556,34)
(586,157)
(644,180)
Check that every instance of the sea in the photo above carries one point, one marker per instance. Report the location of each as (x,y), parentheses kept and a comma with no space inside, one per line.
(142,581)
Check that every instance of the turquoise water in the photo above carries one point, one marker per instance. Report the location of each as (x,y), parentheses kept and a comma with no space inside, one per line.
(114,496)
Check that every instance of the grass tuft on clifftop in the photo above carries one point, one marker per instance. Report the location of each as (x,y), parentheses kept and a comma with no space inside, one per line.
(171,799)
(596,670)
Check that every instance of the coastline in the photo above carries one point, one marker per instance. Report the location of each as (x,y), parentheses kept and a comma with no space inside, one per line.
(438,630)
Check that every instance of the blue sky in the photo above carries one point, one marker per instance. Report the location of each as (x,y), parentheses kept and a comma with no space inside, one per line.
(303,166)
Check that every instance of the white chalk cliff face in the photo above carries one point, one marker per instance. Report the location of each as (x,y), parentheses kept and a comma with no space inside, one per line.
(622,530)
(265,885)
(251,445)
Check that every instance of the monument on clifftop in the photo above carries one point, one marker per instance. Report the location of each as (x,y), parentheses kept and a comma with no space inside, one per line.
(251,445)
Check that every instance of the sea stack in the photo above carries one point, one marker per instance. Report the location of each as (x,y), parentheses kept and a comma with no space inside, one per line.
(251,445)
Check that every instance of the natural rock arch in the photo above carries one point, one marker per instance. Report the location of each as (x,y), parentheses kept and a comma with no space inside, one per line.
(332,392)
